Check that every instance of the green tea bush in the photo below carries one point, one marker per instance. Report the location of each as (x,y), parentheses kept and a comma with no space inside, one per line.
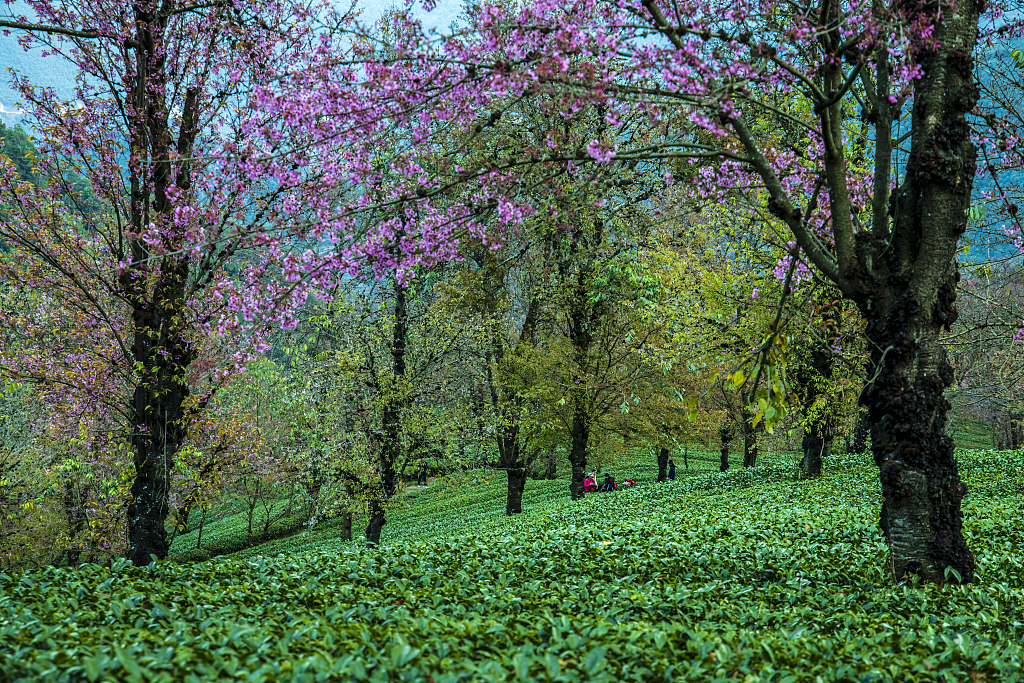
(749,576)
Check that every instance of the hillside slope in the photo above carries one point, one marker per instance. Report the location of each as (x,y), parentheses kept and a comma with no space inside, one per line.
(750,575)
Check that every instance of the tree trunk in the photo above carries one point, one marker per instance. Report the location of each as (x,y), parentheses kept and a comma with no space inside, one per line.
(922,491)
(551,465)
(74,509)
(749,444)
(507,396)
(160,347)
(907,294)
(377,522)
(516,466)
(391,420)
(160,431)
(725,434)
(346,527)
(813,445)
(686,462)
(251,511)
(663,464)
(581,317)
(814,376)
(516,486)
(1016,432)
(578,455)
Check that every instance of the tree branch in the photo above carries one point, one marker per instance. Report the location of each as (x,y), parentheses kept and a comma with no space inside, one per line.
(43,28)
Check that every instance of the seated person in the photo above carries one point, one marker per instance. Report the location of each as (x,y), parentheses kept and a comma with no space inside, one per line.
(589,484)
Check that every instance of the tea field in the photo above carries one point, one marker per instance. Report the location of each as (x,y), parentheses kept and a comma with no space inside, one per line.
(743,576)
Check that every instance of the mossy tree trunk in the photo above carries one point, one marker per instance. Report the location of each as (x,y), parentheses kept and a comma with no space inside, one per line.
(904,282)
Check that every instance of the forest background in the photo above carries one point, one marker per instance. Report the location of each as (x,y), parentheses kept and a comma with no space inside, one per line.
(214,302)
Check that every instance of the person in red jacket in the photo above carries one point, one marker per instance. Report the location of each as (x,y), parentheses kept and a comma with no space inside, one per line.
(590,483)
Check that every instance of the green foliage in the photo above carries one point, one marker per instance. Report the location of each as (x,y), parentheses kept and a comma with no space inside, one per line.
(745,575)
(19,147)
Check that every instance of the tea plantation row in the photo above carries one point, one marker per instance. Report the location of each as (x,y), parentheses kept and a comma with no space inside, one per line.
(748,576)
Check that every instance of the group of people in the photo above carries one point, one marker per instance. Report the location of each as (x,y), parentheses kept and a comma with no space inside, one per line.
(590,484)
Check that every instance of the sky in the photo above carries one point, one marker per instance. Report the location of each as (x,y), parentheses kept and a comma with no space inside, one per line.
(55,72)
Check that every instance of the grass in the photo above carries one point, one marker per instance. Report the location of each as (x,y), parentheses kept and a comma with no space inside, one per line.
(750,575)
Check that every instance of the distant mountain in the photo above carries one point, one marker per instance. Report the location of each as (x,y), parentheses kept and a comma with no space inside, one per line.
(50,72)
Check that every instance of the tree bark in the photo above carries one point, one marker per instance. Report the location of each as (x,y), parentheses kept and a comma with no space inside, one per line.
(813,446)
(581,316)
(346,526)
(578,455)
(749,444)
(159,429)
(550,465)
(907,294)
(663,464)
(516,486)
(725,434)
(391,420)
(377,522)
(922,491)
(160,349)
(813,377)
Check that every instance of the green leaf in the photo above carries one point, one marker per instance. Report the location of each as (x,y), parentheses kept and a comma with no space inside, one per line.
(552,665)
(127,662)
(402,654)
(521,664)
(594,659)
(92,668)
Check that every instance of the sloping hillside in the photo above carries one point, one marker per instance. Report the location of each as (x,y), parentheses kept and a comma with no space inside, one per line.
(750,575)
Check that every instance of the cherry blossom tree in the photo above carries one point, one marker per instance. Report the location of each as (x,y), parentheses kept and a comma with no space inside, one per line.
(159,319)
